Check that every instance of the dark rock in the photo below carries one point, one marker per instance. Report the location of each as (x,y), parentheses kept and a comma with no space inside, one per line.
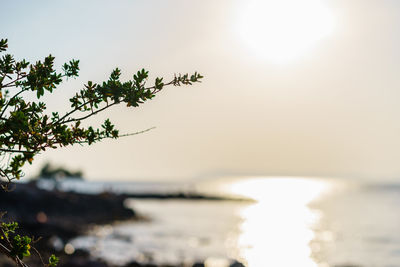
(136,264)
(198,264)
(237,264)
(63,214)
(60,216)
(133,264)
(83,263)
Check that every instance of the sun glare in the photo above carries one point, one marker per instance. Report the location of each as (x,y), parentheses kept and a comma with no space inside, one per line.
(277,229)
(283,30)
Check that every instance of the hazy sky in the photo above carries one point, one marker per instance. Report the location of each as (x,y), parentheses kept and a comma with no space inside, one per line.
(309,89)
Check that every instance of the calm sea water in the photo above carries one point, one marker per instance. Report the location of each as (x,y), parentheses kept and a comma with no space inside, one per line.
(292,222)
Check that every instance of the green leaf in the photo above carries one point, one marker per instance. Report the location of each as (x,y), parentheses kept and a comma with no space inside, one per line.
(53,261)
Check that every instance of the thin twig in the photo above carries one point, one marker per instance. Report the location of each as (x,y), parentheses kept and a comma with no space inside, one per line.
(40,256)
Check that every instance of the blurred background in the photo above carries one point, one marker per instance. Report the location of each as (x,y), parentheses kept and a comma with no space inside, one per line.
(298,113)
(306,88)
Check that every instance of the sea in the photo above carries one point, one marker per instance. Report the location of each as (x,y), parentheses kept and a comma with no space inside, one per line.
(275,221)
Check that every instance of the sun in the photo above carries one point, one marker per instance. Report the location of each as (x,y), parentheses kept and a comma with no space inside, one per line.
(283,30)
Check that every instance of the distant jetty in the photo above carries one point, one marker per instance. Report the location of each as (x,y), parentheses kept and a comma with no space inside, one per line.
(183,196)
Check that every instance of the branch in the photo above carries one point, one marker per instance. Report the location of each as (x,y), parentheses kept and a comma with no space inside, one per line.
(10,84)
(155,90)
(139,132)
(8,103)
(38,253)
(74,110)
(4,250)
(123,135)
(15,151)
(91,114)
(9,179)
(5,236)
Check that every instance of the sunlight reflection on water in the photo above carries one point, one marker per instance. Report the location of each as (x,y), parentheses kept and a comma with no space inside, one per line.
(277,229)
(285,226)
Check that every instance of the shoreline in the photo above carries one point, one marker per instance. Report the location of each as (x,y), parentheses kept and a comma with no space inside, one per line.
(58,216)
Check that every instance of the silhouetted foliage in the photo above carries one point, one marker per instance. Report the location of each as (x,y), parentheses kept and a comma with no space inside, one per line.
(27,128)
(49,171)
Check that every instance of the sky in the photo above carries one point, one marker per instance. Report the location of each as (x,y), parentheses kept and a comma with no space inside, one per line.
(291,88)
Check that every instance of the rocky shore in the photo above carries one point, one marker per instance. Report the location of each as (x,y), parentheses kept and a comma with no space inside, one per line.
(56,217)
